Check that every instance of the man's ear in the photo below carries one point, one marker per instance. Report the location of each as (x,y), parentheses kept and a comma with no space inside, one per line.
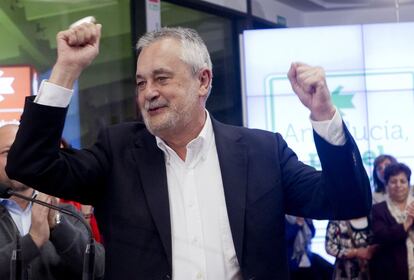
(205,76)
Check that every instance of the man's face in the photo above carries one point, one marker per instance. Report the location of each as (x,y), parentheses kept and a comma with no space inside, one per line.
(7,135)
(398,187)
(169,95)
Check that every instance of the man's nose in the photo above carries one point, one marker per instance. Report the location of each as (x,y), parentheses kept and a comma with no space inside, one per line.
(151,92)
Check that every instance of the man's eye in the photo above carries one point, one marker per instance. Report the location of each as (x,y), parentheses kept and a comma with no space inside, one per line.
(140,84)
(162,79)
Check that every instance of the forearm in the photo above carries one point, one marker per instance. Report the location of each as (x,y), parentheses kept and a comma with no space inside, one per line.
(345,181)
(36,159)
(331,130)
(36,146)
(70,238)
(54,95)
(64,75)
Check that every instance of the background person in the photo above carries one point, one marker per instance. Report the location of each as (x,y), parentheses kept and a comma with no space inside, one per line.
(351,243)
(392,222)
(303,263)
(380,163)
(52,245)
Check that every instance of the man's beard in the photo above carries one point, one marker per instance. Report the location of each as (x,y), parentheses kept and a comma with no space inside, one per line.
(173,117)
(156,128)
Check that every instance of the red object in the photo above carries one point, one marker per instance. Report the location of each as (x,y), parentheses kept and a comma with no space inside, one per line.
(16,82)
(92,221)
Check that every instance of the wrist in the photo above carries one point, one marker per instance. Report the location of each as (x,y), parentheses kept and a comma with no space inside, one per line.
(39,240)
(353,253)
(64,76)
(356,253)
(323,115)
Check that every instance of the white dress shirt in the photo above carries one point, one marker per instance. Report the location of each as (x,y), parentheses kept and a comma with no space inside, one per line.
(22,217)
(202,243)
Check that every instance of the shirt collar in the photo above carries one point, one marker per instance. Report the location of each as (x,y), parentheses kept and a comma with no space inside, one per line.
(10,203)
(197,148)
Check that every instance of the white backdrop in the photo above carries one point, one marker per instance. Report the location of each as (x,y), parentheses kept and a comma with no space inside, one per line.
(370,73)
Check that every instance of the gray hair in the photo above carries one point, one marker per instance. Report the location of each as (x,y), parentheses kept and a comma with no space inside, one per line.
(194,50)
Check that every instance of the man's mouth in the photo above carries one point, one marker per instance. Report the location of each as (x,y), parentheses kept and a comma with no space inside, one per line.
(155,107)
(155,110)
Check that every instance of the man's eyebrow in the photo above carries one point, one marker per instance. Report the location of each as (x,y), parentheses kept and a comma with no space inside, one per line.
(156,72)
(162,71)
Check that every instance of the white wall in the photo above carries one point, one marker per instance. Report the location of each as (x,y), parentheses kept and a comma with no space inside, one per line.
(360,16)
(270,9)
(265,9)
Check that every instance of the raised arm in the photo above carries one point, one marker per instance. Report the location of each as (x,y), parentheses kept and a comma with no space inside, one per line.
(309,84)
(77,47)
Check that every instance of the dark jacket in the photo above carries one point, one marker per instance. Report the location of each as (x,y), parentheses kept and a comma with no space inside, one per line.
(124,176)
(60,258)
(390,259)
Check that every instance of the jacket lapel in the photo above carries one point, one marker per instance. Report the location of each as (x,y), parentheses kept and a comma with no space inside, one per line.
(151,167)
(232,154)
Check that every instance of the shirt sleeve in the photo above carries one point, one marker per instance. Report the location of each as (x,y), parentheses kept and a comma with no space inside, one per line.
(332,130)
(53,95)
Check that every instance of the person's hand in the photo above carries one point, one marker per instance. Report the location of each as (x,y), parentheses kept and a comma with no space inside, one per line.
(365,253)
(77,47)
(309,84)
(87,211)
(410,216)
(39,230)
(52,217)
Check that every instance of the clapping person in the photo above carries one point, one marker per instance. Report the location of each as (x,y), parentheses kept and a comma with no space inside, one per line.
(303,263)
(351,242)
(52,245)
(393,227)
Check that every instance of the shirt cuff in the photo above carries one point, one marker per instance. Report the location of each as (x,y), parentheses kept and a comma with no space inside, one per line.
(332,130)
(53,95)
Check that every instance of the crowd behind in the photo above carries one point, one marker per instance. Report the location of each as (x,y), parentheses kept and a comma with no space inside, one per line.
(379,246)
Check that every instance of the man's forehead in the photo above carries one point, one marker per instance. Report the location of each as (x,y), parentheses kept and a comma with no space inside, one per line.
(155,71)
(167,47)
